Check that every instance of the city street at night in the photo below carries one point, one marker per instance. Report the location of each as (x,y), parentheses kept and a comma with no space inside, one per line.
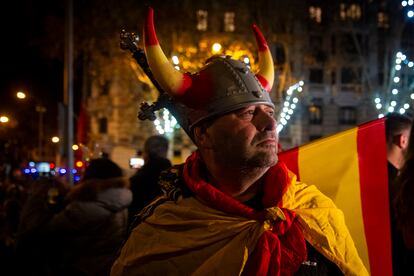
(85,85)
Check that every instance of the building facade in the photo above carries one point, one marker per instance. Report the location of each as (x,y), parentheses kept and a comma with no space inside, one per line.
(342,51)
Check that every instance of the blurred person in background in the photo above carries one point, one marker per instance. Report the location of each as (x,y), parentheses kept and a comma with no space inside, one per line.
(36,253)
(404,208)
(397,131)
(144,183)
(86,235)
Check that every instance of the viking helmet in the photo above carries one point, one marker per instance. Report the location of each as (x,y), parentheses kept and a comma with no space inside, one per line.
(221,86)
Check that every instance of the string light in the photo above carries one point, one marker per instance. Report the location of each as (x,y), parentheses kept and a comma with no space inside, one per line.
(289,105)
(398,93)
(165,122)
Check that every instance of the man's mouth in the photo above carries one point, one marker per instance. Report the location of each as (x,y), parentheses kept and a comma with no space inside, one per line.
(267,142)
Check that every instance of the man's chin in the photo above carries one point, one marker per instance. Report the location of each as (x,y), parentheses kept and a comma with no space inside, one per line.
(264,159)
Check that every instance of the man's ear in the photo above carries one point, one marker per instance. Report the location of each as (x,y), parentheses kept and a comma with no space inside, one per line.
(201,137)
(401,140)
(404,140)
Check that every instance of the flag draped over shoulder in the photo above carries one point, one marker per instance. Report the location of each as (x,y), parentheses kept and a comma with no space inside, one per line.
(350,167)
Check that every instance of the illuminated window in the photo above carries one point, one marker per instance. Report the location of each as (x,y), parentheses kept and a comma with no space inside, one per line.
(383,20)
(315,112)
(315,14)
(202,16)
(350,11)
(347,115)
(229,22)
(103,125)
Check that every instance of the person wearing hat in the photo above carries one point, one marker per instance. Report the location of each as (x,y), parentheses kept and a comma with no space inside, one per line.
(232,208)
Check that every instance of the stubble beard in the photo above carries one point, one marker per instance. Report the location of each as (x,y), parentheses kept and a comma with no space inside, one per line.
(248,158)
(266,157)
(263,158)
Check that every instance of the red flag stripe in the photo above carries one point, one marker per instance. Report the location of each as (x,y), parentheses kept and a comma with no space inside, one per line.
(374,190)
(290,158)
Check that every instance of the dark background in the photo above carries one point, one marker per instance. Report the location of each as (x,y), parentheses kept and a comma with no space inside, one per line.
(30,62)
(33,63)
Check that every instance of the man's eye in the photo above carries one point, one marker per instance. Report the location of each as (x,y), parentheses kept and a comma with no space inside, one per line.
(247,113)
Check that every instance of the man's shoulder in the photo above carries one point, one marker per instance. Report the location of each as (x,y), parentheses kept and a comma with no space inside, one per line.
(172,183)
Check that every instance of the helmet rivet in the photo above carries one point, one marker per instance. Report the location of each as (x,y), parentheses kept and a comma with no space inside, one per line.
(257,94)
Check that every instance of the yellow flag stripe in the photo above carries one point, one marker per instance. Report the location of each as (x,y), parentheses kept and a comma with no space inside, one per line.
(321,163)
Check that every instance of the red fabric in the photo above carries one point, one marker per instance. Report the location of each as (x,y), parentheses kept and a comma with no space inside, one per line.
(82,126)
(279,251)
(374,189)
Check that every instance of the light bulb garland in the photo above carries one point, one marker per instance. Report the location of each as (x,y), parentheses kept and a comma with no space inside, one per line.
(289,105)
(408,7)
(165,123)
(397,99)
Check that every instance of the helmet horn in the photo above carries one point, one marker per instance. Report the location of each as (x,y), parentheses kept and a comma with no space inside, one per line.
(266,73)
(171,80)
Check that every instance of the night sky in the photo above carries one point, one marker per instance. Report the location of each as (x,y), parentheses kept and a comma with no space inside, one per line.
(30,61)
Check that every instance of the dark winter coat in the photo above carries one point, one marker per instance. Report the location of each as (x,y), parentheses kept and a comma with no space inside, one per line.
(87,234)
(144,184)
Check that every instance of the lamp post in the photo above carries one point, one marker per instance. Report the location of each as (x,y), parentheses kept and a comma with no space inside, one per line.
(55,140)
(40,109)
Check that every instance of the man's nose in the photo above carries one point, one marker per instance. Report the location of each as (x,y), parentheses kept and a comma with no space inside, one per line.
(265,121)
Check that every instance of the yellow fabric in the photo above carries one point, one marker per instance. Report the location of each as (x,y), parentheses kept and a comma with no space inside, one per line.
(324,226)
(189,238)
(337,156)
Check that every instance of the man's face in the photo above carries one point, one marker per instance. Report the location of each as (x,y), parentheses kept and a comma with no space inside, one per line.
(244,138)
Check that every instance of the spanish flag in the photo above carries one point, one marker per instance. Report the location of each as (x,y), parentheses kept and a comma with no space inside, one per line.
(350,167)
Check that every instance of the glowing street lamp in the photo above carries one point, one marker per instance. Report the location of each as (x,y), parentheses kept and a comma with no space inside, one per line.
(4,119)
(55,139)
(21,95)
(216,47)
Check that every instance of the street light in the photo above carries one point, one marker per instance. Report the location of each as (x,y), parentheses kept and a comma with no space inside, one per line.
(4,119)
(40,109)
(55,139)
(216,47)
(21,95)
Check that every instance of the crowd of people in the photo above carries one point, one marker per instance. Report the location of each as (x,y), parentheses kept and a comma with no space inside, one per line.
(231,209)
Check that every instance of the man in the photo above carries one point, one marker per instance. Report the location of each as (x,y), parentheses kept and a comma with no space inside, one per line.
(144,185)
(232,208)
(397,131)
